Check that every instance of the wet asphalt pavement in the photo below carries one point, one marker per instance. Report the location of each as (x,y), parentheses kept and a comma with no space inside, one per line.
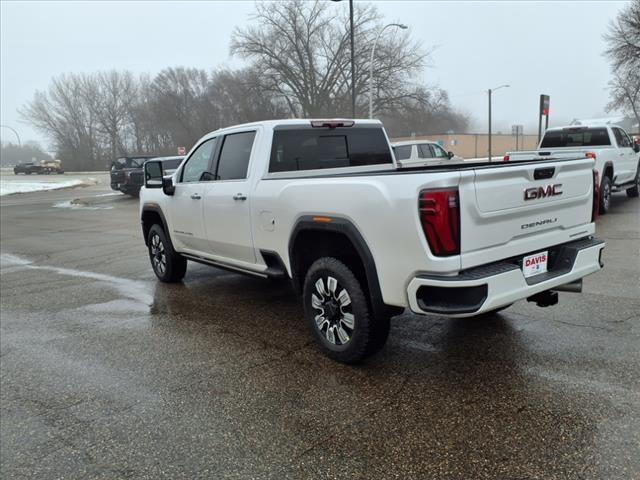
(107,374)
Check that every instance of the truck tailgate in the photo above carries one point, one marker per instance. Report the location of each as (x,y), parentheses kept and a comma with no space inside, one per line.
(509,210)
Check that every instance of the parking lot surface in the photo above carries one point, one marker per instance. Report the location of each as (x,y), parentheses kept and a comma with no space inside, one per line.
(106,373)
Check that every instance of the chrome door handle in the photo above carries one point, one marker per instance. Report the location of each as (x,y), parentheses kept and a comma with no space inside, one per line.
(239,196)
(195,196)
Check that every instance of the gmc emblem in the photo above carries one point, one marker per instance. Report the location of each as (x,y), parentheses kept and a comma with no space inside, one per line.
(542,192)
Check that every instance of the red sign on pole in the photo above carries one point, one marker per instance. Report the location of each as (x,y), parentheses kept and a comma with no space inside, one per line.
(182,151)
(544,105)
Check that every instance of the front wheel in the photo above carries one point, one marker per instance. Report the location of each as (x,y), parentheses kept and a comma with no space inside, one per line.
(634,191)
(605,195)
(168,265)
(338,314)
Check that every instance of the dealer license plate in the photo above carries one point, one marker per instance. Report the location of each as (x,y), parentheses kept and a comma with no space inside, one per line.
(534,264)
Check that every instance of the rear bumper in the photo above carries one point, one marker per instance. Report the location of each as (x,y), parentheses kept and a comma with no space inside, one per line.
(498,284)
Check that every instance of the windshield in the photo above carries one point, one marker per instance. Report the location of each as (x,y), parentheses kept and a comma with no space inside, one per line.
(579,137)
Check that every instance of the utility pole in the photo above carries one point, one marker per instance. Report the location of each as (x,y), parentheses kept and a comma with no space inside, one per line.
(353,67)
(353,62)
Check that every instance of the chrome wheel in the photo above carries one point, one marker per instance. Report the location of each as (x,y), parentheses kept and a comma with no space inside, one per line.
(334,316)
(606,196)
(158,254)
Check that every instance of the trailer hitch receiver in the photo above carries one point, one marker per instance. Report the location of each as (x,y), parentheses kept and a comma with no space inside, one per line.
(544,299)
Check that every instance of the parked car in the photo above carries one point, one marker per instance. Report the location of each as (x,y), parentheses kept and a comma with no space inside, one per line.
(41,167)
(52,166)
(616,155)
(27,168)
(414,153)
(323,204)
(121,170)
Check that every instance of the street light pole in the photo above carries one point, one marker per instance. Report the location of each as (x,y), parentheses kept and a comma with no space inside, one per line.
(490,91)
(14,131)
(373,51)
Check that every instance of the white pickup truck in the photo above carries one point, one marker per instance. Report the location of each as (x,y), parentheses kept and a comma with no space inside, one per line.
(617,156)
(323,204)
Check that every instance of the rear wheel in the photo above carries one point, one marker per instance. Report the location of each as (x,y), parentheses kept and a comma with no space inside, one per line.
(338,314)
(634,191)
(168,265)
(605,195)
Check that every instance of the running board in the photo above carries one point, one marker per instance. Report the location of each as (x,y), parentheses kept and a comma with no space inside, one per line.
(624,186)
(225,266)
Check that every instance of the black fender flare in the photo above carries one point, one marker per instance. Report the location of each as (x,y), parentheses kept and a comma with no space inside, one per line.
(155,208)
(348,229)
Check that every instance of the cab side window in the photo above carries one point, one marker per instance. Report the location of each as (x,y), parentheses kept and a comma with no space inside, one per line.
(198,162)
(235,155)
(402,152)
(424,151)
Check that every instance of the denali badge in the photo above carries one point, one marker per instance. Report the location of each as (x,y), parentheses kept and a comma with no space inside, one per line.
(539,223)
(542,192)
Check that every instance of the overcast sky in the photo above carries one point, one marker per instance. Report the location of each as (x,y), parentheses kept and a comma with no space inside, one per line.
(536,47)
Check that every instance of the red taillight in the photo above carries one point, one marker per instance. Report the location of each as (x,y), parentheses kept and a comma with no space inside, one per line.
(505,158)
(595,209)
(440,218)
(590,155)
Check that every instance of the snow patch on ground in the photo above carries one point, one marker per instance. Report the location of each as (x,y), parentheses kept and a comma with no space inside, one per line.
(9,188)
(81,206)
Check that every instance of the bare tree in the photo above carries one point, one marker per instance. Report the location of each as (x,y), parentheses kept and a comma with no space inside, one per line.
(180,102)
(240,96)
(623,50)
(623,38)
(625,93)
(63,115)
(111,96)
(302,51)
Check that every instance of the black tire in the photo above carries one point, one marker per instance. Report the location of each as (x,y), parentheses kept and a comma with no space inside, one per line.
(605,195)
(338,313)
(634,191)
(168,265)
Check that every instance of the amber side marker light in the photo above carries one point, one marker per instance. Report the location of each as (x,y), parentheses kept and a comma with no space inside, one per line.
(321,219)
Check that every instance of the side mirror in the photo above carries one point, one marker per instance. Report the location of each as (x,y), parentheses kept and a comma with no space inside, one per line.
(636,147)
(154,177)
(153,174)
(450,155)
(167,186)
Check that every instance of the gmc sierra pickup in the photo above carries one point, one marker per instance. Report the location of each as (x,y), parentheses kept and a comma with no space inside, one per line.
(616,155)
(323,204)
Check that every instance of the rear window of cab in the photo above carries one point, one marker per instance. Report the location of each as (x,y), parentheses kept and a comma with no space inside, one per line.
(295,150)
(579,137)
